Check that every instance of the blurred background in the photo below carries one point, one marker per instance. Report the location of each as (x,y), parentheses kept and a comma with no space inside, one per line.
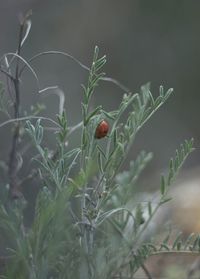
(156,41)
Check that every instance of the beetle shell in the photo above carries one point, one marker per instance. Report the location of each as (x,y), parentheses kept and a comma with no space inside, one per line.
(102,129)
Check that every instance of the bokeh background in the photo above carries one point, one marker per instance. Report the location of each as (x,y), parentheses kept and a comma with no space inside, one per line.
(156,41)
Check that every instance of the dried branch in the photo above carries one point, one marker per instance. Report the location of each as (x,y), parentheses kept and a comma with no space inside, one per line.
(13,161)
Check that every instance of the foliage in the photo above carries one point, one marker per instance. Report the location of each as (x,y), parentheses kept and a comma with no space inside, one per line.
(81,209)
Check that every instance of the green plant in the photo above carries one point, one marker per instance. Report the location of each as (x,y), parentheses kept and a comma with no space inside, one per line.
(80,218)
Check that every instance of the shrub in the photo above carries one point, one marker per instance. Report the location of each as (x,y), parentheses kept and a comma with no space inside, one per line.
(82,226)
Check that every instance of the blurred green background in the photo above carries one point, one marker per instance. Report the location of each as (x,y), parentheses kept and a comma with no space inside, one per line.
(156,41)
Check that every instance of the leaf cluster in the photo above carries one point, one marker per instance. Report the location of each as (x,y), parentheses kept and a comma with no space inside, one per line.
(82,210)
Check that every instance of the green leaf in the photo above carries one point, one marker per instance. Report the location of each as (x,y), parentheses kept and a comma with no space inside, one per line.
(177,240)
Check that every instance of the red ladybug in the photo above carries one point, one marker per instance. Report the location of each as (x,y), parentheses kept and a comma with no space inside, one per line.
(102,129)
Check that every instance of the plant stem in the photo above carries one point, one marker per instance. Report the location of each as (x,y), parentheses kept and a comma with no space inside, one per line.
(13,165)
(146,271)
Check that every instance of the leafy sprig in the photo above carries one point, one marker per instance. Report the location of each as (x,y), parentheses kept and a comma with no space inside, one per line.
(82,209)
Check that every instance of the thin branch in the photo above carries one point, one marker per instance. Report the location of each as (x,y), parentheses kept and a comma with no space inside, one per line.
(27,118)
(7,74)
(52,52)
(13,162)
(142,265)
(31,176)
(148,274)
(20,58)
(9,79)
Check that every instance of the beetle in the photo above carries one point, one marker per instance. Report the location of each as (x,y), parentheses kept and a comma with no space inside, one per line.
(102,129)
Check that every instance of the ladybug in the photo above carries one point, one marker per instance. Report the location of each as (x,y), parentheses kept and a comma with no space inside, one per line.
(102,129)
